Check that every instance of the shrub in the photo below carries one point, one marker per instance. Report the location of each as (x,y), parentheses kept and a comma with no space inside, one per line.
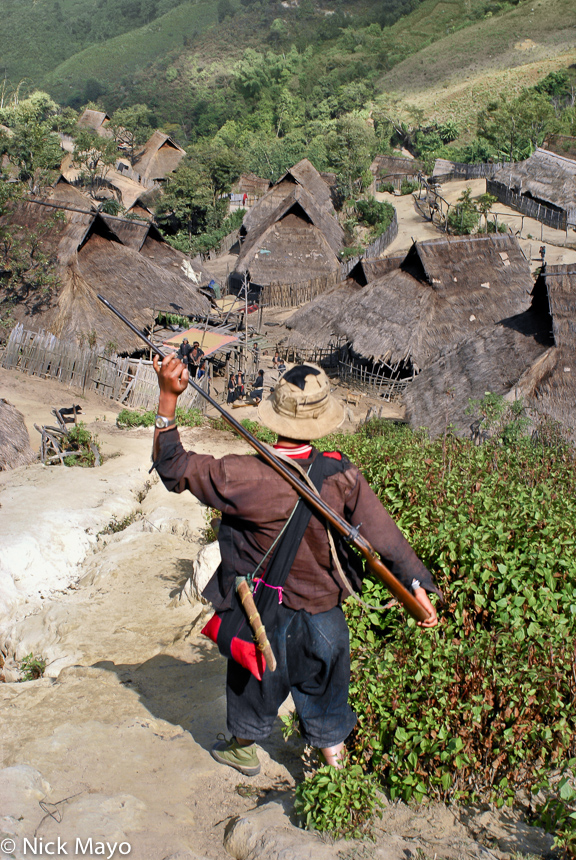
(408,187)
(340,802)
(482,705)
(80,447)
(32,667)
(135,418)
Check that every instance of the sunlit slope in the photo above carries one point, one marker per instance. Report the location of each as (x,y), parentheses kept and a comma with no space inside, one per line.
(461,71)
(114,61)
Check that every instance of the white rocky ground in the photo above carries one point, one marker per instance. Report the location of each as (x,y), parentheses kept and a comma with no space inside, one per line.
(113,744)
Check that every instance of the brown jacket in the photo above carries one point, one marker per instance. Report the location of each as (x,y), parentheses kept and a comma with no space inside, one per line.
(255,502)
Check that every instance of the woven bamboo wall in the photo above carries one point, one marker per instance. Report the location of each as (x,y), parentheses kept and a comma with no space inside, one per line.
(550,217)
(129,381)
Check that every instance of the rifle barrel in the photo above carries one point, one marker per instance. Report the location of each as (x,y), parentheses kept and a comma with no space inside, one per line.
(349,533)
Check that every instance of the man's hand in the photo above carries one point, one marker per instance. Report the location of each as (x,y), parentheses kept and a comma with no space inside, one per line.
(173,380)
(172,375)
(423,599)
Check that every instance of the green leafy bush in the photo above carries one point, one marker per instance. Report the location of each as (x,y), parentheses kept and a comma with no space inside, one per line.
(408,187)
(136,418)
(32,667)
(80,446)
(340,802)
(482,705)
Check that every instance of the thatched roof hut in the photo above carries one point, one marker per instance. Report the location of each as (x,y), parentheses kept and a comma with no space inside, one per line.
(443,291)
(302,176)
(393,169)
(553,387)
(531,355)
(545,178)
(297,242)
(493,360)
(252,185)
(123,260)
(159,157)
(15,447)
(97,120)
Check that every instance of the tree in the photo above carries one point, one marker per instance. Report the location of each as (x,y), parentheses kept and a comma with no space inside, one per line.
(131,127)
(220,164)
(516,128)
(464,215)
(94,156)
(485,203)
(35,150)
(350,147)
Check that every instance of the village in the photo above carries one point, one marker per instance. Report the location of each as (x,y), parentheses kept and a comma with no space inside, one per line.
(411,328)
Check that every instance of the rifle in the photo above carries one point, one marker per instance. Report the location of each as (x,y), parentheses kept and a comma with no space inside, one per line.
(349,532)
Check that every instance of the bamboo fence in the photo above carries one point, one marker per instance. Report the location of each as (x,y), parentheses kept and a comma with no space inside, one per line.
(129,381)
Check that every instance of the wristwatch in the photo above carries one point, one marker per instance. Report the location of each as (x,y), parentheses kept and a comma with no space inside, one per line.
(162,423)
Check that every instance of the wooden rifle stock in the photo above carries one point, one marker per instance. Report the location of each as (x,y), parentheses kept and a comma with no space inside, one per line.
(348,532)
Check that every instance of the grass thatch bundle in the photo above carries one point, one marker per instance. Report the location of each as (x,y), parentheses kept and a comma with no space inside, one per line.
(15,447)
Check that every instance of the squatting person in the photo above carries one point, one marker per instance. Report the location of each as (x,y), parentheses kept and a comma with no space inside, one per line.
(305,626)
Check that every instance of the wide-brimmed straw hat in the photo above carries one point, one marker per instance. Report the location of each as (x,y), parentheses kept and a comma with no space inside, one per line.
(301,406)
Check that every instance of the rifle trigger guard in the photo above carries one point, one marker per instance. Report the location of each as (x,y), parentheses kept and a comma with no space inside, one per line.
(353,534)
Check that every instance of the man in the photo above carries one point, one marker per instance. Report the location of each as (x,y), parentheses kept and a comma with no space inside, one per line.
(309,636)
(184,353)
(195,358)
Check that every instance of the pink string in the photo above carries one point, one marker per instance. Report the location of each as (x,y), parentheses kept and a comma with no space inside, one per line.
(277,588)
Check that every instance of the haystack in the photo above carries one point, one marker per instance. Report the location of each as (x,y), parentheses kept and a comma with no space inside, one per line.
(442,292)
(15,447)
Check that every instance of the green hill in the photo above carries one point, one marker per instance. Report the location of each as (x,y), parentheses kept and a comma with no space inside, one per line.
(455,76)
(113,63)
(37,35)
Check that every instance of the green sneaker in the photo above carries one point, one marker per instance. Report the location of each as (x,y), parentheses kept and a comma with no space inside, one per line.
(242,758)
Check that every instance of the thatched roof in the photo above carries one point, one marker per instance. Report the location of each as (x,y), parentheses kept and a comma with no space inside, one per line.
(531,355)
(160,252)
(66,194)
(15,447)
(97,120)
(298,241)
(553,386)
(493,360)
(390,165)
(443,291)
(251,184)
(159,157)
(304,176)
(133,283)
(545,177)
(366,271)
(122,259)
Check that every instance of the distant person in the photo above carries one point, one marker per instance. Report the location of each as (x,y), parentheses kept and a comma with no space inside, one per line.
(194,358)
(239,385)
(244,199)
(257,392)
(276,360)
(256,356)
(184,353)
(231,389)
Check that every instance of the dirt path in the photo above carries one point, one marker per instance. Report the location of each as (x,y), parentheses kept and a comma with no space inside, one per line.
(530,233)
(115,742)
